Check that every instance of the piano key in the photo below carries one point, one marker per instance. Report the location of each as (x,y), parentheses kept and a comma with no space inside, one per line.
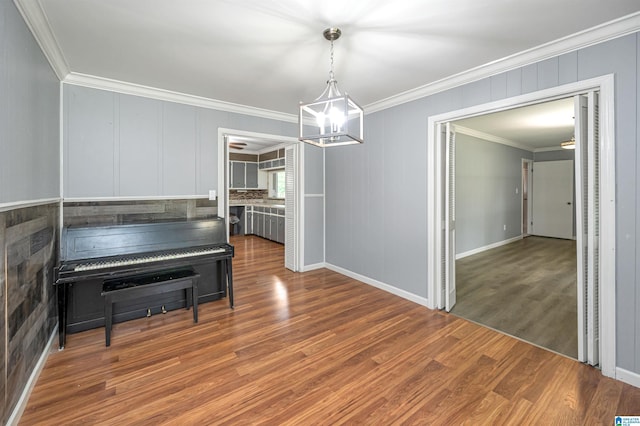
(147,259)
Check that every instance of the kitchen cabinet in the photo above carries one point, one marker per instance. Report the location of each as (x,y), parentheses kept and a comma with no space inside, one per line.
(280,233)
(246,175)
(272,229)
(251,179)
(248,227)
(265,222)
(238,174)
(258,223)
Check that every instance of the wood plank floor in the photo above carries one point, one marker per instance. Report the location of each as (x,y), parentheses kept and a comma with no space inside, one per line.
(315,348)
(526,289)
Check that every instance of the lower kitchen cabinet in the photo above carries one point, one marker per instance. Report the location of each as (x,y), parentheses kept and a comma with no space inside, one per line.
(280,232)
(265,222)
(258,224)
(248,227)
(272,231)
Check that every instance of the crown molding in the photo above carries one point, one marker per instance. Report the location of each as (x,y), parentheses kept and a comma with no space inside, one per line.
(550,148)
(491,138)
(598,34)
(35,18)
(102,83)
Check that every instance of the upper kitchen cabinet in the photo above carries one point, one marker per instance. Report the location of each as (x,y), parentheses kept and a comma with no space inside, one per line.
(238,174)
(244,173)
(251,178)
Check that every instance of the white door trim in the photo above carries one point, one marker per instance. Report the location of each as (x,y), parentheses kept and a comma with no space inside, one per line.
(435,219)
(529,163)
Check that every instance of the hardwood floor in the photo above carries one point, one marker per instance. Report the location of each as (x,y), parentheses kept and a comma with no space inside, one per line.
(315,348)
(526,289)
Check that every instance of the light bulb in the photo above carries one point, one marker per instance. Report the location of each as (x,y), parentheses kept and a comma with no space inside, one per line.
(337,119)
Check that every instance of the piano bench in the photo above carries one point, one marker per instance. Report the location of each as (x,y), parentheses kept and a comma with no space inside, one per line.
(137,286)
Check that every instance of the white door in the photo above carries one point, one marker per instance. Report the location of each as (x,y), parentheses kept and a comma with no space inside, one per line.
(552,199)
(588,228)
(291,207)
(450,215)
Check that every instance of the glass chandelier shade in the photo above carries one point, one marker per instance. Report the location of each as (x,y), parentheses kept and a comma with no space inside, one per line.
(332,119)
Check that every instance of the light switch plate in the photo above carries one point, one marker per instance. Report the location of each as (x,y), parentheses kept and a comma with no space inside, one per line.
(212,194)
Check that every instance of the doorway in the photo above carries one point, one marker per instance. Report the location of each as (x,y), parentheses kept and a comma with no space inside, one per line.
(282,219)
(594,339)
(526,289)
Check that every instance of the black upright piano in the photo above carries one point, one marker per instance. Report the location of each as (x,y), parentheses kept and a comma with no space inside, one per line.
(92,254)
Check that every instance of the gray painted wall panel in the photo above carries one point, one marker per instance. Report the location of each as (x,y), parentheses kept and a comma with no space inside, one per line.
(207,148)
(314,230)
(548,73)
(139,144)
(339,207)
(4,101)
(178,149)
(390,132)
(29,111)
(106,141)
(499,86)
(314,206)
(514,82)
(478,92)
(568,68)
(313,170)
(560,154)
(529,78)
(487,175)
(89,142)
(373,247)
(637,210)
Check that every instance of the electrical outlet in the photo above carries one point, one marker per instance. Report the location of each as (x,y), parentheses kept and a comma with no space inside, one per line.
(504,227)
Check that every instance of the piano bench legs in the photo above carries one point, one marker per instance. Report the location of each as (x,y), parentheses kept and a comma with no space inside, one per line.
(138,286)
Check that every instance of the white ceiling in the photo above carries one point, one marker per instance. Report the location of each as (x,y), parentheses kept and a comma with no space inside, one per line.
(272,55)
(535,127)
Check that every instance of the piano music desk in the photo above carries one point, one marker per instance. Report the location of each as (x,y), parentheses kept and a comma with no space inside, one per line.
(138,286)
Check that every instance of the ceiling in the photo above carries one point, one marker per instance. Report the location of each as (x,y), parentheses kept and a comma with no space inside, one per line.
(272,55)
(535,127)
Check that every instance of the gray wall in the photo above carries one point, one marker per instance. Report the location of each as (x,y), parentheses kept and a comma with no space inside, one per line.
(559,154)
(29,171)
(376,193)
(29,114)
(487,175)
(119,145)
(313,204)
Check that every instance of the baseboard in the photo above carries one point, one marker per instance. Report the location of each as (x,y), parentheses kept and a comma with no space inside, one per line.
(306,268)
(382,286)
(489,247)
(14,419)
(628,377)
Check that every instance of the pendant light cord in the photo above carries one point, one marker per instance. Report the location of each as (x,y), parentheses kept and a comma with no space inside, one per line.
(331,77)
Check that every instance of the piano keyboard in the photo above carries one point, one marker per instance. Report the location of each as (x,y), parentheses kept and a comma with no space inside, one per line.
(146,259)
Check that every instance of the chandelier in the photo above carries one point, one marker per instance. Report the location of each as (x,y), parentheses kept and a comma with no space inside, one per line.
(332,119)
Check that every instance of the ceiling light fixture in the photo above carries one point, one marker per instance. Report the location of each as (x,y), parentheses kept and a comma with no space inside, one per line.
(332,119)
(570,144)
